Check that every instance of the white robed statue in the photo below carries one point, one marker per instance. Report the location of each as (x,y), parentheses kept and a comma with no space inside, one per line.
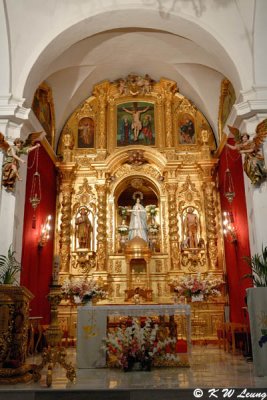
(138,222)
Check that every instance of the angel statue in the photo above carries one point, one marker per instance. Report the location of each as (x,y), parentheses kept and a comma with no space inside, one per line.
(10,167)
(254,165)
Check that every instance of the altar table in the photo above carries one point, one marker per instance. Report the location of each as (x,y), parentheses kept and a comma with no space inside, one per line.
(92,327)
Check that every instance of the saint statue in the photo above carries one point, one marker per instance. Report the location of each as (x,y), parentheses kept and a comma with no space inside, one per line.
(83,228)
(138,222)
(191,228)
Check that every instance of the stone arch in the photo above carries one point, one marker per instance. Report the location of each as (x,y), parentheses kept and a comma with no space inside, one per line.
(34,69)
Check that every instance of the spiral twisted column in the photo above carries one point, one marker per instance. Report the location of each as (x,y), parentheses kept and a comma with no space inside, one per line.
(66,180)
(210,210)
(173,228)
(102,227)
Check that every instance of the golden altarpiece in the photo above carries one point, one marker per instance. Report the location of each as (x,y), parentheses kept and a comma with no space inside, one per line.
(137,138)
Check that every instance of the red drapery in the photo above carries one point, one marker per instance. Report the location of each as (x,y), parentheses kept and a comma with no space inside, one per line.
(37,262)
(236,267)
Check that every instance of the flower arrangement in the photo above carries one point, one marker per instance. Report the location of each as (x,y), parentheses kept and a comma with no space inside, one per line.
(153,229)
(138,344)
(152,210)
(204,287)
(123,229)
(123,212)
(82,291)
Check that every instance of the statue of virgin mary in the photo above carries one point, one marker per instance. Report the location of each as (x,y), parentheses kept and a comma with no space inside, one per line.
(138,222)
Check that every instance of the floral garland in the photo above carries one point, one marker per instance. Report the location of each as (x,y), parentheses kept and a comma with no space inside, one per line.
(82,290)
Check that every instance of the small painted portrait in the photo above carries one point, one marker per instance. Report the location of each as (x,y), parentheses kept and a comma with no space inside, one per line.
(86,133)
(135,123)
(186,130)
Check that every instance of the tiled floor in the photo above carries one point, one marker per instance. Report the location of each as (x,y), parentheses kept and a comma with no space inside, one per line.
(210,368)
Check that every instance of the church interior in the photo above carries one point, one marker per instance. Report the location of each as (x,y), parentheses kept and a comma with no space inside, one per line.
(133,197)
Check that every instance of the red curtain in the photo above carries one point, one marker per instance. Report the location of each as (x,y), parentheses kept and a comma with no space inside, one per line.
(37,261)
(236,267)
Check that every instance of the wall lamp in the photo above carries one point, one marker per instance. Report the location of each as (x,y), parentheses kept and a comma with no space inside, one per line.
(228,226)
(45,229)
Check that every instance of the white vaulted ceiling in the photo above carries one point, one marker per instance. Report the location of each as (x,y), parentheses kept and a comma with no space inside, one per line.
(73,45)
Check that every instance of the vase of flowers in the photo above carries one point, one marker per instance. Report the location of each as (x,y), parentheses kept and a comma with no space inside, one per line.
(82,291)
(136,346)
(152,211)
(197,288)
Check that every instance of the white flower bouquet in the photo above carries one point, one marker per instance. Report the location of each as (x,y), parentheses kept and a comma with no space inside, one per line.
(189,286)
(82,290)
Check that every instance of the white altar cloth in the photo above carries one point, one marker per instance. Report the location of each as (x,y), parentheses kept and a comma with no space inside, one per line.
(92,327)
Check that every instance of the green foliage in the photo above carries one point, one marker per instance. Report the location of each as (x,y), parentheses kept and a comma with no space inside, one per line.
(9,267)
(258,264)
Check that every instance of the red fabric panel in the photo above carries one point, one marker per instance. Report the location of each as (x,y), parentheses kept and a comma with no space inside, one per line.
(37,262)
(236,267)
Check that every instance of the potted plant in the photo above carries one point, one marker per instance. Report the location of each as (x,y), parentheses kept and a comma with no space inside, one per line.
(257,306)
(258,265)
(9,267)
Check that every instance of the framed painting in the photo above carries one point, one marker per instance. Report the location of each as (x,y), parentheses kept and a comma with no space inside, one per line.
(135,124)
(86,133)
(186,129)
(43,108)
(227,100)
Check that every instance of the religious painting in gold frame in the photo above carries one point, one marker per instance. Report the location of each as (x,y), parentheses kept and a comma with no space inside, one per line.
(86,133)
(227,100)
(135,124)
(43,108)
(186,129)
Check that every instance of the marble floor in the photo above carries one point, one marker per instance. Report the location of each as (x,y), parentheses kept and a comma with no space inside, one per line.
(211,367)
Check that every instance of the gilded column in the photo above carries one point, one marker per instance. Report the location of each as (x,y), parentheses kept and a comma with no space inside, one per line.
(168,119)
(173,227)
(66,177)
(101,93)
(111,123)
(160,116)
(210,209)
(101,228)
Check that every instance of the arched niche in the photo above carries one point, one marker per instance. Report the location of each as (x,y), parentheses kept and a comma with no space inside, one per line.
(125,196)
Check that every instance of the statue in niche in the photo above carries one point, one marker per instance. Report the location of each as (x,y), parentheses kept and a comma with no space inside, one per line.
(83,228)
(190,228)
(138,221)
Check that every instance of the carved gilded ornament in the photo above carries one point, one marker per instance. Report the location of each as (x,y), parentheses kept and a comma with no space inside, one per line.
(210,210)
(101,228)
(83,262)
(85,196)
(118,267)
(134,85)
(100,92)
(176,170)
(227,100)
